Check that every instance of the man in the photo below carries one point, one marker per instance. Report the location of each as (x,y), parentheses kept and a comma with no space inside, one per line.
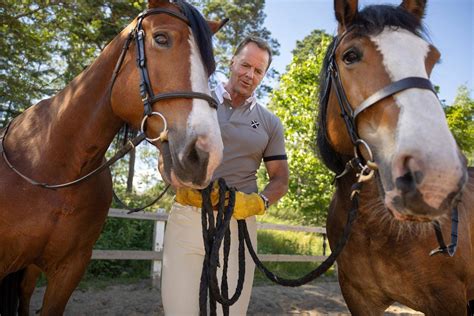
(250,134)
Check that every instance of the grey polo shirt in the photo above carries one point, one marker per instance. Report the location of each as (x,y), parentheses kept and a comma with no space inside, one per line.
(250,134)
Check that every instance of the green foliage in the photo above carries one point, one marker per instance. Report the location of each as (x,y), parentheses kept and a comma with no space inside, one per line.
(295,102)
(292,243)
(45,44)
(278,242)
(460,117)
(123,234)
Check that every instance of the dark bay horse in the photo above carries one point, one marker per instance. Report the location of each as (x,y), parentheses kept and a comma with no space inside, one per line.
(156,70)
(376,102)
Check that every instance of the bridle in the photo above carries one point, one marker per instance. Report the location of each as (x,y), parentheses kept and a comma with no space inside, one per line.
(366,168)
(146,93)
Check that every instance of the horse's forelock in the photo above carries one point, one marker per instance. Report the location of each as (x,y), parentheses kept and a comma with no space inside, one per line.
(202,34)
(374,18)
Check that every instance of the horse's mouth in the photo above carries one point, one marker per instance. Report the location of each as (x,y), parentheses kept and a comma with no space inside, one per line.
(170,169)
(408,217)
(417,210)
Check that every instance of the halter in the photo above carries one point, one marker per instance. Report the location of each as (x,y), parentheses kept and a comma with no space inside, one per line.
(367,167)
(148,99)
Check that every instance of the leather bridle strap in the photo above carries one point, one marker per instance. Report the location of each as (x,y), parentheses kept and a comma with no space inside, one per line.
(122,152)
(397,86)
(146,90)
(450,249)
(185,95)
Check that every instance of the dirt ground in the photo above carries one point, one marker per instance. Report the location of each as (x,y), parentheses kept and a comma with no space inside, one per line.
(320,298)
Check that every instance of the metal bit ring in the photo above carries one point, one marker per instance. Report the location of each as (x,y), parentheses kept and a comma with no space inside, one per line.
(163,134)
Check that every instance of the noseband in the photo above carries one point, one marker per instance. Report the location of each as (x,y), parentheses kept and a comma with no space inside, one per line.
(366,168)
(146,91)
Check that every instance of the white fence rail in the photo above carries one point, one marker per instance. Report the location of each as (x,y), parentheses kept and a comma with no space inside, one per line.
(156,253)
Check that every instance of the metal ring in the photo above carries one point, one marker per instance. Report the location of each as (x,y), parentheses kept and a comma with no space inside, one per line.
(165,128)
(356,147)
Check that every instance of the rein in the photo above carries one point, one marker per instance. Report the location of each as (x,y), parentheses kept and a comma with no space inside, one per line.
(122,152)
(148,99)
(216,231)
(350,113)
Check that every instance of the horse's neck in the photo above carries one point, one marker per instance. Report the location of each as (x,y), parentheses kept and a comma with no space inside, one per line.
(72,130)
(468,200)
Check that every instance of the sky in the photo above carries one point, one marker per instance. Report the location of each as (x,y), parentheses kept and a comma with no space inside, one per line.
(450,26)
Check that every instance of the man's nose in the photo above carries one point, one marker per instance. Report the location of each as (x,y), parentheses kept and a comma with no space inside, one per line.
(250,73)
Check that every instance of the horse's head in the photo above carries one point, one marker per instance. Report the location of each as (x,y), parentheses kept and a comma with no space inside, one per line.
(162,88)
(377,71)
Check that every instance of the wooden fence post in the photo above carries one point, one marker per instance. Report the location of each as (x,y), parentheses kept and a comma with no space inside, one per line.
(158,236)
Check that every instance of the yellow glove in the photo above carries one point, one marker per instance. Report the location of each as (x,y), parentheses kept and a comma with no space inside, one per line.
(248,205)
(193,197)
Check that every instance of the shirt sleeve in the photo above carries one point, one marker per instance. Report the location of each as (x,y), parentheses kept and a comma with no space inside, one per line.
(275,149)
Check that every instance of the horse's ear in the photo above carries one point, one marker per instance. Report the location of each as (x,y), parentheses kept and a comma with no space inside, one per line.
(415,7)
(215,26)
(156,3)
(346,11)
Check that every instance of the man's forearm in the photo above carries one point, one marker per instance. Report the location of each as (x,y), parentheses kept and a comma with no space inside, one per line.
(276,189)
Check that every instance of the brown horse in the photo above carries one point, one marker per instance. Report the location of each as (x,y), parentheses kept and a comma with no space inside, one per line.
(376,103)
(65,137)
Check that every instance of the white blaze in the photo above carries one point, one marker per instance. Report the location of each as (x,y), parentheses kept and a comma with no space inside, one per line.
(202,120)
(422,130)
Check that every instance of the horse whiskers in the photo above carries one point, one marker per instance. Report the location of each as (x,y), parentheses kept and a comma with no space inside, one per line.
(376,214)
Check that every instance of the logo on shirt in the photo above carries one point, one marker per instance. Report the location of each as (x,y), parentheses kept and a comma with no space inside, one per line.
(254,124)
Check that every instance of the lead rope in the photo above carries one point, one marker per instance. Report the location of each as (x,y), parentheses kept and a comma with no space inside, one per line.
(214,234)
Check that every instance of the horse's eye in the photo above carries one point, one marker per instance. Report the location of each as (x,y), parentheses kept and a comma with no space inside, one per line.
(161,39)
(351,56)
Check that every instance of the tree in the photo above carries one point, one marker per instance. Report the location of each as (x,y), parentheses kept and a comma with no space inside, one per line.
(295,102)
(47,43)
(460,117)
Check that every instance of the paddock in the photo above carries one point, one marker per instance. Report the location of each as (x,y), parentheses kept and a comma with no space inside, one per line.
(321,297)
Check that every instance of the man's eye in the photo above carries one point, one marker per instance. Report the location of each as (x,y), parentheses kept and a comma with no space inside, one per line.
(351,56)
(161,39)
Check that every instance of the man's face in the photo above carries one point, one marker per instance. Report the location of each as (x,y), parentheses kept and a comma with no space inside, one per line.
(248,69)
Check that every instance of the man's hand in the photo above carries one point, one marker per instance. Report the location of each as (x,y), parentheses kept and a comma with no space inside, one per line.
(193,197)
(248,205)
(245,204)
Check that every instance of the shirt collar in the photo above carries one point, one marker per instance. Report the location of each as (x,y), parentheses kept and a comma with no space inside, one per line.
(222,94)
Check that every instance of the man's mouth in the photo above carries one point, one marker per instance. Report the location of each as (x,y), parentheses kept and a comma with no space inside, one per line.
(245,84)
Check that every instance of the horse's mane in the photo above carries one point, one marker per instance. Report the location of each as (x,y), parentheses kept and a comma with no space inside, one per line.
(371,20)
(202,34)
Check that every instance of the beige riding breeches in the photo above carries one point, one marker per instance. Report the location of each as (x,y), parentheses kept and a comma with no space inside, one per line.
(183,257)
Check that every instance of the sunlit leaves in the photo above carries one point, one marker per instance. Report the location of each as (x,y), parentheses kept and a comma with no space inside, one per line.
(296,103)
(460,117)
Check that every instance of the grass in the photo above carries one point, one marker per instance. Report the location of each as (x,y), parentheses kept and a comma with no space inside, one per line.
(293,243)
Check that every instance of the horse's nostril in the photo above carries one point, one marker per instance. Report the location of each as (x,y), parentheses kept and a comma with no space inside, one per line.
(408,174)
(193,155)
(406,183)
